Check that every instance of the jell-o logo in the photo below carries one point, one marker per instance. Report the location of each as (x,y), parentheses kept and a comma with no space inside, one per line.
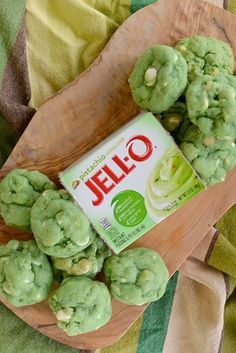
(106,179)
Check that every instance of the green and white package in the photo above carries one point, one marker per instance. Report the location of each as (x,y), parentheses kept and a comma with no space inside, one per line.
(131,181)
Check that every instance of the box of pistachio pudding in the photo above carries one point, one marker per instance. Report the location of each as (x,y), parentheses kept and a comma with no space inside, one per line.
(131,181)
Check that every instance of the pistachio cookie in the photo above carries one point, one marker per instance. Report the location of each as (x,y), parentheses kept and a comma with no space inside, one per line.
(206,56)
(19,190)
(25,274)
(60,228)
(211,104)
(210,157)
(81,305)
(136,276)
(86,262)
(159,78)
(172,118)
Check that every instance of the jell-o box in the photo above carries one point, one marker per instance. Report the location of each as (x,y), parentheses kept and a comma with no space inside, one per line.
(131,181)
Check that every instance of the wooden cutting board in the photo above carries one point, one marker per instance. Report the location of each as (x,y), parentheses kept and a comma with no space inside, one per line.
(91,108)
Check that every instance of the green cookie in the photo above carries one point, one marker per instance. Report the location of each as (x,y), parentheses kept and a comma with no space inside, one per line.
(206,56)
(211,104)
(210,157)
(172,118)
(18,192)
(159,78)
(81,305)
(171,176)
(60,228)
(136,276)
(86,262)
(25,273)
(176,120)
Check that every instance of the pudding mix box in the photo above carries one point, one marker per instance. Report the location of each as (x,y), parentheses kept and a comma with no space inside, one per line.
(131,181)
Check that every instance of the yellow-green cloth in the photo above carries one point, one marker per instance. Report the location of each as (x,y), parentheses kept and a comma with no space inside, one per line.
(62,38)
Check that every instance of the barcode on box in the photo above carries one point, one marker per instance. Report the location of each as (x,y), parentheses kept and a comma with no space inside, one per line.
(105,223)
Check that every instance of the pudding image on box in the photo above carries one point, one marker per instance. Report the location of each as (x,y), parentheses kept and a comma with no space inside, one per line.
(131,181)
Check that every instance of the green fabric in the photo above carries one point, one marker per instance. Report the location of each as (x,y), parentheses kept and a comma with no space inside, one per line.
(229,342)
(11,12)
(155,321)
(223,257)
(231,6)
(17,337)
(75,31)
(139,4)
(226,251)
(227,225)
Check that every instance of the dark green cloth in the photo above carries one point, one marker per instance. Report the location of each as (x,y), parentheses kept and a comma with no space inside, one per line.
(155,321)
(139,4)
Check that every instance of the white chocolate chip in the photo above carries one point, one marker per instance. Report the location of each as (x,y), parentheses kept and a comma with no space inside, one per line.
(205,103)
(209,140)
(232,95)
(150,76)
(182,48)
(175,119)
(123,280)
(146,274)
(172,122)
(175,58)
(38,296)
(61,315)
(84,266)
(82,242)
(6,288)
(58,218)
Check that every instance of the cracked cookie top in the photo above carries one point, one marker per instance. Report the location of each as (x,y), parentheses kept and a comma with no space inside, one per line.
(206,56)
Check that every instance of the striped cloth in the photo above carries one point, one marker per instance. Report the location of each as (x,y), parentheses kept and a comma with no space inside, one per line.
(44,45)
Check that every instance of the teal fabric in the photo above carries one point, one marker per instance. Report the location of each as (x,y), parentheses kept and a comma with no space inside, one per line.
(156,320)
(139,4)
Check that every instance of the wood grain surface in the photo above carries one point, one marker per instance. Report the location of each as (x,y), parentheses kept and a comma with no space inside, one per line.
(91,108)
